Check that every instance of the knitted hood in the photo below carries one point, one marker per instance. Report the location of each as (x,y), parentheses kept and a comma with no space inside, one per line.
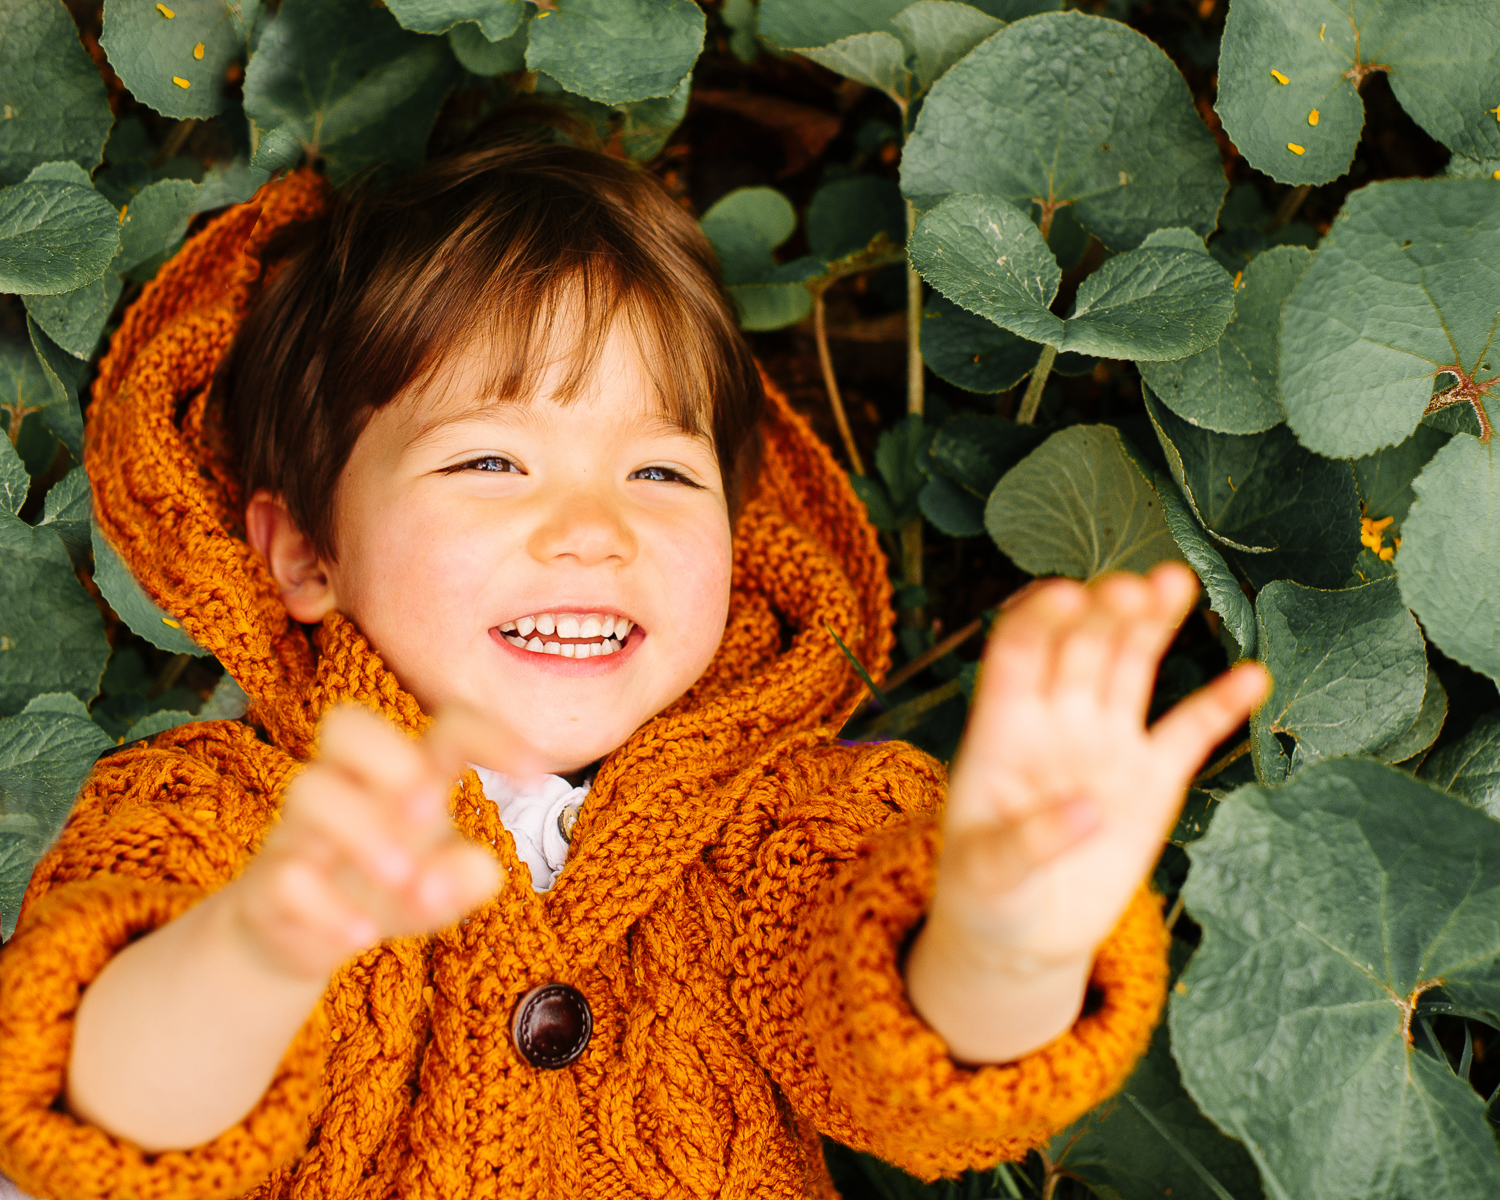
(168,501)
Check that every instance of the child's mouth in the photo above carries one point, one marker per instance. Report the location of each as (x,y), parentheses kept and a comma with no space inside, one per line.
(569,635)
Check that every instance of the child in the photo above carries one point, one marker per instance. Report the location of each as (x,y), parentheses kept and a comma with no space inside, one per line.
(487,434)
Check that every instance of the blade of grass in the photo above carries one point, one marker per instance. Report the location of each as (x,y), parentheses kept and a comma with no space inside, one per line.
(859,668)
(1183,1152)
(907,716)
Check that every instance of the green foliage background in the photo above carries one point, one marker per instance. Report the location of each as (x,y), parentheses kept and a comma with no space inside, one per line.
(1178,278)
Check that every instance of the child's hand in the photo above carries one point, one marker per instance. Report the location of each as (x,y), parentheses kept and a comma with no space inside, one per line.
(1061,797)
(365,848)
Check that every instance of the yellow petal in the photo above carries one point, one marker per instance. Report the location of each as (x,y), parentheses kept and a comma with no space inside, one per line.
(1387,554)
(165,11)
(183,83)
(1312,117)
(1321,30)
(198,50)
(124,208)
(1238,275)
(1497,175)
(1279,77)
(172,623)
(1296,149)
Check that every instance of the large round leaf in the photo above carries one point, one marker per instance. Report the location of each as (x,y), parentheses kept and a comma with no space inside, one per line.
(1449,561)
(1470,767)
(1158,301)
(1231,386)
(1405,285)
(53,98)
(1289,74)
(347,83)
(1070,109)
(1349,667)
(1327,906)
(795,24)
(54,236)
(495,19)
(616,51)
(174,56)
(1284,512)
(1079,506)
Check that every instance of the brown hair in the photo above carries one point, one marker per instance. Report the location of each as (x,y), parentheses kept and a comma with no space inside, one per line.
(379,292)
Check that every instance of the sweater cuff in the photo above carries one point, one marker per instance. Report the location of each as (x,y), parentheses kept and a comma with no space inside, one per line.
(61,947)
(884,1058)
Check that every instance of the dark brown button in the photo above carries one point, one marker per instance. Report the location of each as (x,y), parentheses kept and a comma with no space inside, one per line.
(552,1026)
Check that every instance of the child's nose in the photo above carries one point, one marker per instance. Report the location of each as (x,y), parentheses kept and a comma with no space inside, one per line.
(586,528)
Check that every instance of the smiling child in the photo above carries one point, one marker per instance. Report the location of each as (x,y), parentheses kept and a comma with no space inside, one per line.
(535,868)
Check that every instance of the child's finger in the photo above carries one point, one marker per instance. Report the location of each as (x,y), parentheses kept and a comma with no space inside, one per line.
(341,812)
(374,753)
(1019,659)
(1194,727)
(309,917)
(1086,655)
(459,735)
(995,859)
(1172,590)
(456,879)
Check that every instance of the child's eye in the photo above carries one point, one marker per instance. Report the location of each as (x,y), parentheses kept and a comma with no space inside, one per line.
(490,462)
(663,475)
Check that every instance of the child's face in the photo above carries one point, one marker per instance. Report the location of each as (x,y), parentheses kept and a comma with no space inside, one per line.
(461,524)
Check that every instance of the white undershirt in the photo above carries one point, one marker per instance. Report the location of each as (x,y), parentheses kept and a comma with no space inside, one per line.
(531,810)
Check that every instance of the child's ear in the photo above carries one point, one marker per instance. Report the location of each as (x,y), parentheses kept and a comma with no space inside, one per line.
(305,582)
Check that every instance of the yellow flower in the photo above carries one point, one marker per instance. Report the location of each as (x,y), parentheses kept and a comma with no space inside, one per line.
(1312,117)
(1279,77)
(1371,536)
(1296,149)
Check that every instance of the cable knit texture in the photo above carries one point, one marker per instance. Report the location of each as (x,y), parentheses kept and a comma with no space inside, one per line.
(733,906)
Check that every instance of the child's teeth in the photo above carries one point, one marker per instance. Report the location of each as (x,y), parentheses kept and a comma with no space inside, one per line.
(568,649)
(545,624)
(524,626)
(534,644)
(508,627)
(609,647)
(595,649)
(590,627)
(567,627)
(553,648)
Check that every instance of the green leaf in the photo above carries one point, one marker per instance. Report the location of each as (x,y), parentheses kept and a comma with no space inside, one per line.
(1231,386)
(1073,109)
(1449,561)
(494,19)
(1151,1141)
(51,633)
(1385,477)
(1403,286)
(617,51)
(1014,10)
(1442,58)
(45,753)
(1326,904)
(63,375)
(794,24)
(484,57)
(53,99)
(54,237)
(763,306)
(159,722)
(23,385)
(1424,730)
(67,511)
(1284,512)
(744,227)
(1350,667)
(740,18)
(900,457)
(877,502)
(950,508)
(1470,767)
(975,451)
(133,606)
(1155,302)
(877,60)
(154,55)
(648,124)
(968,351)
(940,33)
(373,101)
(1225,596)
(845,216)
(1461,167)
(15,483)
(1079,506)
(75,320)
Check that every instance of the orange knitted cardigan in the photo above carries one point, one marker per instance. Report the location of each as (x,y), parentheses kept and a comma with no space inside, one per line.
(733,906)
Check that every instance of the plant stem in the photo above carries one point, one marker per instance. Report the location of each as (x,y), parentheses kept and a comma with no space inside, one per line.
(904,716)
(1033,397)
(1214,768)
(949,644)
(1174,912)
(1290,203)
(820,336)
(911,535)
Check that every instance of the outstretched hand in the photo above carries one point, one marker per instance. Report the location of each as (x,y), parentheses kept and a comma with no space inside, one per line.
(1061,796)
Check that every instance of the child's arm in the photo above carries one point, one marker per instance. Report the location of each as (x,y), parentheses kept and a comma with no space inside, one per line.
(181,1033)
(1058,806)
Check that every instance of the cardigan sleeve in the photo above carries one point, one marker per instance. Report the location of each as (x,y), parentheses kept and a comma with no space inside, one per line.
(152,833)
(826,902)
